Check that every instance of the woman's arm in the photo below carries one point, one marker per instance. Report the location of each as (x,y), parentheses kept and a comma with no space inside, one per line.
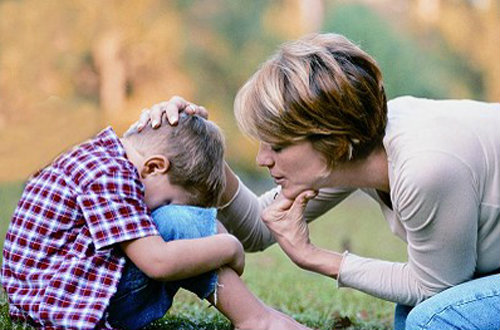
(243,212)
(438,208)
(241,215)
(438,205)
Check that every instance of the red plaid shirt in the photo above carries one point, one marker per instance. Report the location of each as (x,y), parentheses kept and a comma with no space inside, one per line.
(61,262)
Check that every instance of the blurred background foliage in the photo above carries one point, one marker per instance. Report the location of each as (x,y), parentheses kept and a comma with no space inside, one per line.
(70,68)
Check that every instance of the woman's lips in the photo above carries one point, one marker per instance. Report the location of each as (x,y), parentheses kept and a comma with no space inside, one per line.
(278,179)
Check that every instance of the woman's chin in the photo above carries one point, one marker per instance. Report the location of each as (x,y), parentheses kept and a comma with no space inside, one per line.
(292,192)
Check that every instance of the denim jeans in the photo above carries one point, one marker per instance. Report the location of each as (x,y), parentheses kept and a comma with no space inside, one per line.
(473,305)
(140,300)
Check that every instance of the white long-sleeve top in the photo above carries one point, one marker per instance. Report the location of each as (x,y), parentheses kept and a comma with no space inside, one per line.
(444,174)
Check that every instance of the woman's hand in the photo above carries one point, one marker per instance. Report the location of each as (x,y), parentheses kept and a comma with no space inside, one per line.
(171,108)
(285,219)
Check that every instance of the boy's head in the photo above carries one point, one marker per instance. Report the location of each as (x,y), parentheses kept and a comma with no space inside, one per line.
(182,164)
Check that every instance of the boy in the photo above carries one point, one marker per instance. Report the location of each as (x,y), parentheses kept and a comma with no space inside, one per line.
(83,252)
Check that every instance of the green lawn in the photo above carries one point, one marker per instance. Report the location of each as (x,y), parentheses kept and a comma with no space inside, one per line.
(308,297)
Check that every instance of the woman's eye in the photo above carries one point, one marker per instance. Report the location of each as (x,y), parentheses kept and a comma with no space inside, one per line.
(276,148)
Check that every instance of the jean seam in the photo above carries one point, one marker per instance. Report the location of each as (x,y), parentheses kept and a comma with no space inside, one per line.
(129,292)
(462,303)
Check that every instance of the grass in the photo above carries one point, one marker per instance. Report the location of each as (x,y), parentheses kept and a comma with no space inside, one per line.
(310,298)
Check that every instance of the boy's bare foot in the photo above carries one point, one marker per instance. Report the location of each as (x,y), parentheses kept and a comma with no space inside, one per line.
(273,320)
(245,310)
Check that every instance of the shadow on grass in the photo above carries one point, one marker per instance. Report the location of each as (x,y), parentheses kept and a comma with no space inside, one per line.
(213,321)
(176,322)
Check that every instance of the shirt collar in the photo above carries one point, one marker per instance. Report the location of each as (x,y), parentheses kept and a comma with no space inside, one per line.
(110,140)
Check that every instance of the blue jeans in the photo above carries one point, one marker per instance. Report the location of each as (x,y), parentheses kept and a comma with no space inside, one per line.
(140,300)
(473,305)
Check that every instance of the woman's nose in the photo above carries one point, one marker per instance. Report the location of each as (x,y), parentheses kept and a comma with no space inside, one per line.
(264,157)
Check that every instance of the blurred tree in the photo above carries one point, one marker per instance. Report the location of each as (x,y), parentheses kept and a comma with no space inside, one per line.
(308,16)
(63,63)
(471,28)
(407,67)
(311,15)
(112,72)
(225,42)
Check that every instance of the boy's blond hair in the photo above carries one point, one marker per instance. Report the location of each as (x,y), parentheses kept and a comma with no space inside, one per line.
(195,150)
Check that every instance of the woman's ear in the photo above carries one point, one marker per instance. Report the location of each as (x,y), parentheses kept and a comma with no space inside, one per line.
(156,164)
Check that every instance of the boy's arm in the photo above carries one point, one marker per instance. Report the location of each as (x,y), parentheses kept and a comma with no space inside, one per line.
(180,259)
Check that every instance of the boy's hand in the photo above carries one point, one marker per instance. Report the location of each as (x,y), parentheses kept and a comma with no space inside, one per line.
(171,108)
(237,262)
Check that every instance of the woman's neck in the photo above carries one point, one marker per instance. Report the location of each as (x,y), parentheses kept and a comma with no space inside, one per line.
(371,172)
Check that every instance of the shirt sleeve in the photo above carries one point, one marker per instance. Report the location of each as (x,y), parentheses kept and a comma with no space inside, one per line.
(114,210)
(241,216)
(438,207)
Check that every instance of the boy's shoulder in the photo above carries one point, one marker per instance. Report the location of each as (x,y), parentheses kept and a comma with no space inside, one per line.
(98,156)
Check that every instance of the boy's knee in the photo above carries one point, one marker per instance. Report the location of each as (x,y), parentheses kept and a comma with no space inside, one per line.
(184,222)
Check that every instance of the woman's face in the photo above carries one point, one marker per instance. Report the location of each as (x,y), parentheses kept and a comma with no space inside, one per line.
(296,167)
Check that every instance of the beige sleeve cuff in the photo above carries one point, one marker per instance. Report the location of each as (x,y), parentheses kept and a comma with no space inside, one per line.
(222,207)
(340,284)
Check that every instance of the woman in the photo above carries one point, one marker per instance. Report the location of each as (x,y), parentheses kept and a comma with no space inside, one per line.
(319,110)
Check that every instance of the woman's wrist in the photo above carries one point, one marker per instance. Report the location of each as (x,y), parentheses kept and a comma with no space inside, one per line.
(320,260)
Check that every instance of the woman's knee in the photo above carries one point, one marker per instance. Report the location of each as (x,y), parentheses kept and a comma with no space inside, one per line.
(418,318)
(469,306)
(464,317)
(430,317)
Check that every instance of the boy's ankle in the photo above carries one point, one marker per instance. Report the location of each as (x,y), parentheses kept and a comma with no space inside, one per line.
(274,320)
(260,321)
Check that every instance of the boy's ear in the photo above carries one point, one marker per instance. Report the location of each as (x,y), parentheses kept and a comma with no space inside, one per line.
(156,164)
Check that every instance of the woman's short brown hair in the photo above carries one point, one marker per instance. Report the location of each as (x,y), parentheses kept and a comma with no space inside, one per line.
(322,88)
(195,150)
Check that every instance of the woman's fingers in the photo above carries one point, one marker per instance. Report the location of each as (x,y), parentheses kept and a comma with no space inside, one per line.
(190,109)
(288,209)
(300,202)
(156,113)
(201,111)
(285,220)
(297,209)
(193,109)
(171,109)
(143,120)
(281,203)
(177,105)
